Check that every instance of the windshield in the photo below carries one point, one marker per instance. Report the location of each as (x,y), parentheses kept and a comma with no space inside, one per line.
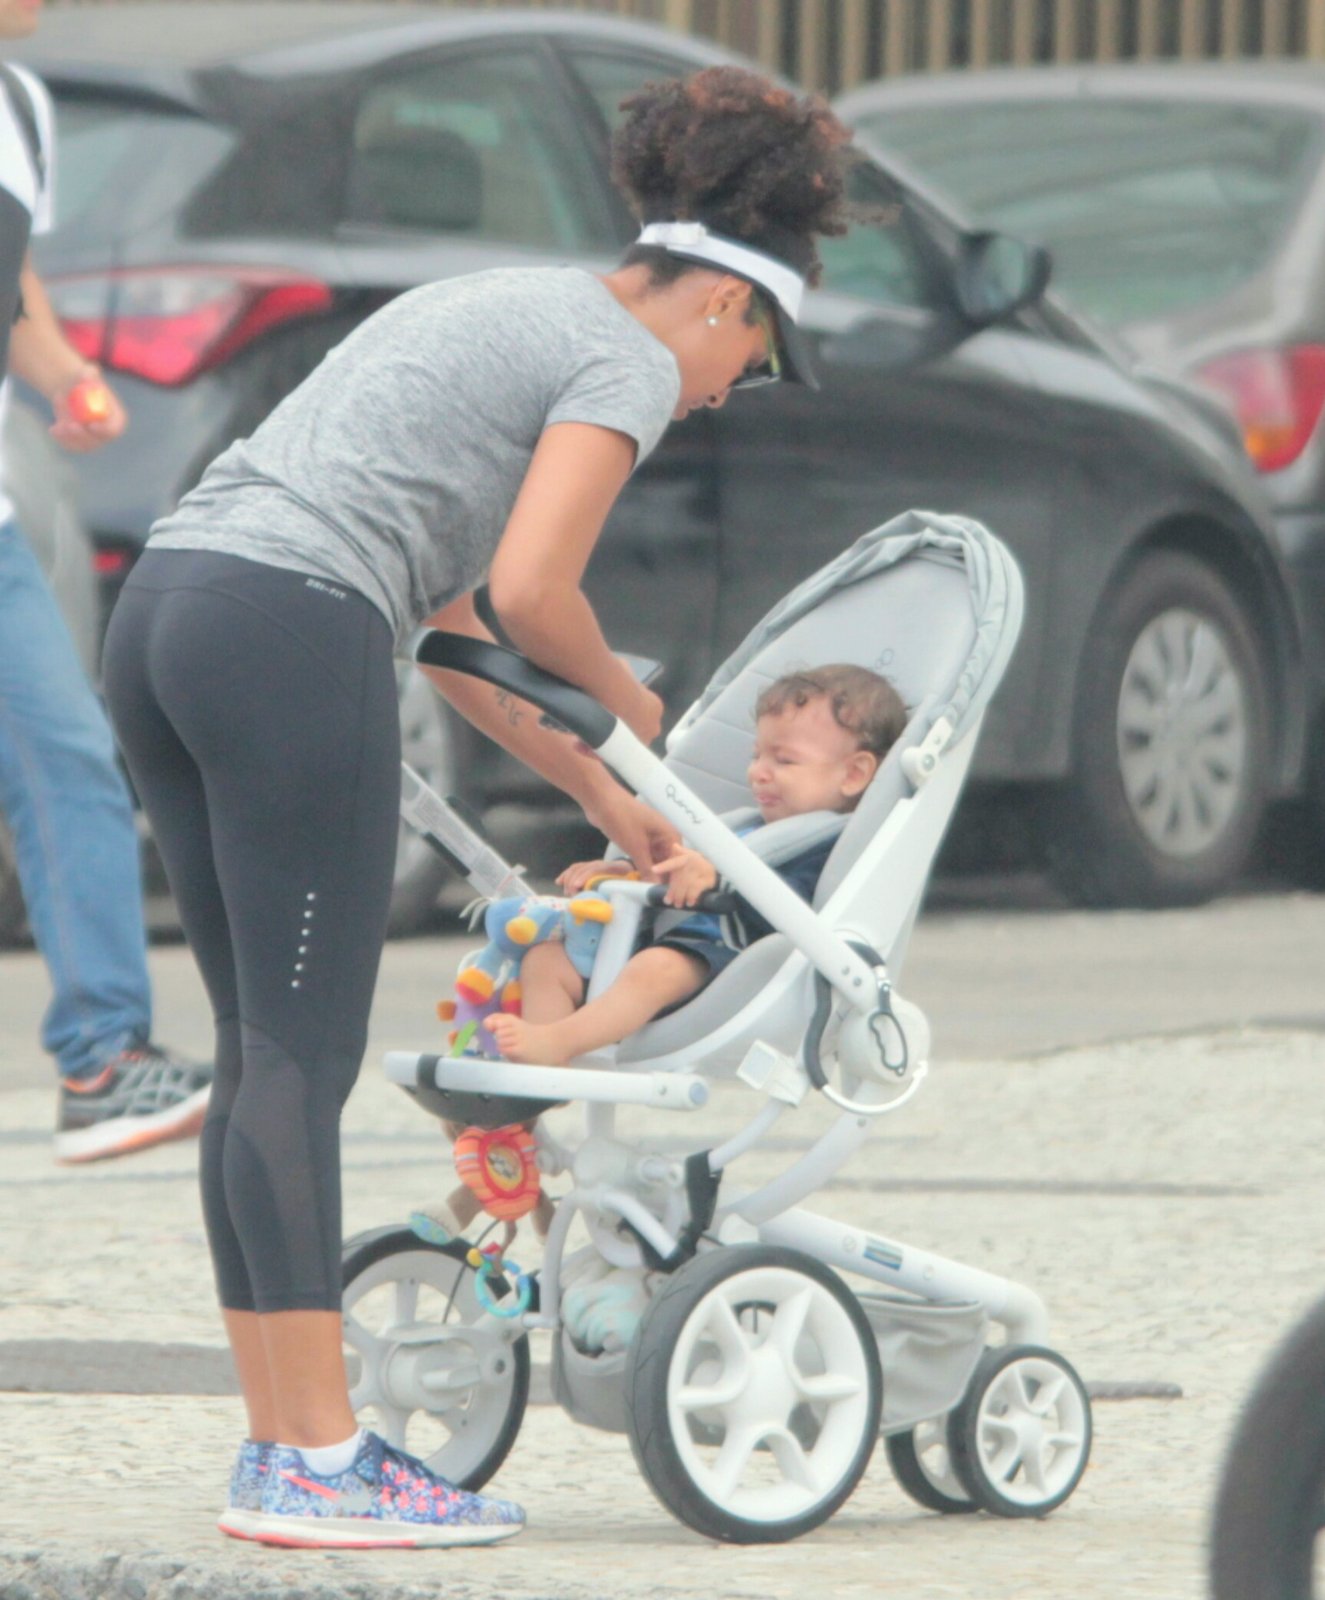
(1148,208)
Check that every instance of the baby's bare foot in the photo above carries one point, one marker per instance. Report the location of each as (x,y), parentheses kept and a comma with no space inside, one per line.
(533,1043)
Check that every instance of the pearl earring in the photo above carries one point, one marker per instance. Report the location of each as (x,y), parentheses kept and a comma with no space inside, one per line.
(712,322)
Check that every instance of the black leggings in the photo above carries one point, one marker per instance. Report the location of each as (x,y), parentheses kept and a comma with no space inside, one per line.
(257,712)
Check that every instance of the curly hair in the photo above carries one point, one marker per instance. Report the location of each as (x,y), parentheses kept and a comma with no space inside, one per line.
(731,149)
(863,703)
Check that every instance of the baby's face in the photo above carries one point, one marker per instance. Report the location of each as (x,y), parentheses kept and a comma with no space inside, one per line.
(804,761)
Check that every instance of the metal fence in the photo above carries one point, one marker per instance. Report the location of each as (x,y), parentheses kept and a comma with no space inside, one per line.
(832,44)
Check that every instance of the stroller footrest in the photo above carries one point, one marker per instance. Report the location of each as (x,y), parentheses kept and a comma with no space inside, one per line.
(505,1085)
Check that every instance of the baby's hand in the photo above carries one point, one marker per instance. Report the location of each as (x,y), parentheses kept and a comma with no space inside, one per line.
(577,877)
(688,875)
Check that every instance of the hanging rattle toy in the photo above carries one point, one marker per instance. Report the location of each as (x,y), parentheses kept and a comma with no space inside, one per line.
(500,1167)
(490,1263)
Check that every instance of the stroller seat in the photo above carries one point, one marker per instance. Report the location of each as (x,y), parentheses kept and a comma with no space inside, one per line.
(931,605)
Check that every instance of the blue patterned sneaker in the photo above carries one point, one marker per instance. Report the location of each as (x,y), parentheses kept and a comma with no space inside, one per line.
(247,1477)
(386,1500)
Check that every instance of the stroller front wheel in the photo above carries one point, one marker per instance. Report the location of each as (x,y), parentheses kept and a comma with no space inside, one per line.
(753,1392)
(921,1459)
(1020,1439)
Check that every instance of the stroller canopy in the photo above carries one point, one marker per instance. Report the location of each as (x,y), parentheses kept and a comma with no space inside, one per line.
(994,585)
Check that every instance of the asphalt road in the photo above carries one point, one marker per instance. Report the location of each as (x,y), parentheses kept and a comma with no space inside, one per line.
(1002,971)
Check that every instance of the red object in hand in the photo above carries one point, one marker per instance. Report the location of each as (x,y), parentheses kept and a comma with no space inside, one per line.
(90,401)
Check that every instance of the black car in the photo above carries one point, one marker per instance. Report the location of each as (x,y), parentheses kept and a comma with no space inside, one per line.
(244,184)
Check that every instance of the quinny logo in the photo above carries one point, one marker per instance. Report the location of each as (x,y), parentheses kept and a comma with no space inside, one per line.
(680,804)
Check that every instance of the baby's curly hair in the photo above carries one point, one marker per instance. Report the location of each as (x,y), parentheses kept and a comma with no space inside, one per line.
(862,703)
(731,149)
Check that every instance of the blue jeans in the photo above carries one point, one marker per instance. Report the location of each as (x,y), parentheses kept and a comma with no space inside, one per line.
(68,808)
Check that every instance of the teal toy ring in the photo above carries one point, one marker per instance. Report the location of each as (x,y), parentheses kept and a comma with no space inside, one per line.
(484,1269)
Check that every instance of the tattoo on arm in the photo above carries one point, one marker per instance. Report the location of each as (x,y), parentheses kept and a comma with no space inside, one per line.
(514,715)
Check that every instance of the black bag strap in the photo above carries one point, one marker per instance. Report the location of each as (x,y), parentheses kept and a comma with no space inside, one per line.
(26,114)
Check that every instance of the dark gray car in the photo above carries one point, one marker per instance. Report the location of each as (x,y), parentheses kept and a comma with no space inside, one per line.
(1184,205)
(245,184)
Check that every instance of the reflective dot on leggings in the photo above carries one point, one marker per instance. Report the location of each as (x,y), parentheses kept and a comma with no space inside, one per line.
(294,983)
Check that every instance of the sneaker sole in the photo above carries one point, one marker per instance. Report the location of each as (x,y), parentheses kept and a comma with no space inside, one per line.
(119,1136)
(358,1533)
(238,1524)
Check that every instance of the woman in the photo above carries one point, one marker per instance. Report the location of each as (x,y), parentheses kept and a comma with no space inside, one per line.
(477,428)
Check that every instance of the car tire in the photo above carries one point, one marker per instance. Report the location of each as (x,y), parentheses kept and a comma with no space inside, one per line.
(1170,744)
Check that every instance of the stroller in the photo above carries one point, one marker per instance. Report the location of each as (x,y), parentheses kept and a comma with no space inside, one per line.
(757,1381)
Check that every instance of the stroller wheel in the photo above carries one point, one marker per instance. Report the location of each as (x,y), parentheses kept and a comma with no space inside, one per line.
(753,1392)
(429,1368)
(1020,1439)
(922,1464)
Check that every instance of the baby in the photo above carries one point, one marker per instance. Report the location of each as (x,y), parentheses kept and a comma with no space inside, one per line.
(819,738)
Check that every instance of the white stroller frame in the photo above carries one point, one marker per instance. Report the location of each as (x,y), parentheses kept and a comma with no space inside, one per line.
(1006,1429)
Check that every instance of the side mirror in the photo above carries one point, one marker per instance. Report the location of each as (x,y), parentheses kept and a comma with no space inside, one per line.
(997,275)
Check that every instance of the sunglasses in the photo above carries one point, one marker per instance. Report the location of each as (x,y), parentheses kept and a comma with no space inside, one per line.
(769,371)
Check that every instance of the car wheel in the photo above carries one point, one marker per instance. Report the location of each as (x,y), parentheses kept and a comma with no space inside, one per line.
(1168,785)
(430,742)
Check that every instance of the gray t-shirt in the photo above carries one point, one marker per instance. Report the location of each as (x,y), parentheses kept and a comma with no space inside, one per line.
(393,468)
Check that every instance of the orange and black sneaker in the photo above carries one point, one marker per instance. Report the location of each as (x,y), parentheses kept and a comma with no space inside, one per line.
(141,1096)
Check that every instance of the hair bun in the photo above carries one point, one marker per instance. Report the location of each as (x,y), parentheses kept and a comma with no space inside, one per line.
(732,149)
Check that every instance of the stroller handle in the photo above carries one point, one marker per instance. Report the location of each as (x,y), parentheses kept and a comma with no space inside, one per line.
(576,711)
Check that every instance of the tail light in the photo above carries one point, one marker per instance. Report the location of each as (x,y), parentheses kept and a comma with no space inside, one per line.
(169,324)
(1277,396)
(112,562)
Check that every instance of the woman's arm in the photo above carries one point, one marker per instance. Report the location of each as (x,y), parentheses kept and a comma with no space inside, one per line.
(514,724)
(576,473)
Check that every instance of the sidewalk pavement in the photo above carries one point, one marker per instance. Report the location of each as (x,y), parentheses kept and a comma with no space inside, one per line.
(1162,1195)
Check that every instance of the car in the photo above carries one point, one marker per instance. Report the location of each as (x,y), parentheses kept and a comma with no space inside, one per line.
(39,479)
(243,185)
(1184,206)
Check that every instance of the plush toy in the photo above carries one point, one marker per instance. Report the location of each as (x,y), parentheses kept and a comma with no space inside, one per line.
(491,981)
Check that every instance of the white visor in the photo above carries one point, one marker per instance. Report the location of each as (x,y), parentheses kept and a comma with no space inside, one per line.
(694,241)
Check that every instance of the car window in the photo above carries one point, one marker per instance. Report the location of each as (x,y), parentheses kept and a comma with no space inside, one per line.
(1147,207)
(119,164)
(475,146)
(609,76)
(880,257)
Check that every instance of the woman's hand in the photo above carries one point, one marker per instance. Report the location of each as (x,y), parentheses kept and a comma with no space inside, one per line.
(579,875)
(688,876)
(638,829)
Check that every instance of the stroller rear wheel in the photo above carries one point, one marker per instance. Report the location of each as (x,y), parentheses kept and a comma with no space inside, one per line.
(436,1375)
(922,1463)
(1020,1439)
(753,1393)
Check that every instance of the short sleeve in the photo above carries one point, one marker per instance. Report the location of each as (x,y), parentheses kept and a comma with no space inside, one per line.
(635,397)
(43,212)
